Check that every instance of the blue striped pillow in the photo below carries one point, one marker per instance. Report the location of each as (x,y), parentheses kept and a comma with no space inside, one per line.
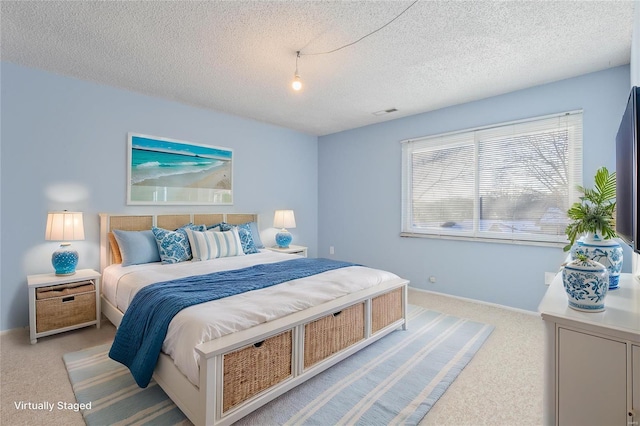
(211,245)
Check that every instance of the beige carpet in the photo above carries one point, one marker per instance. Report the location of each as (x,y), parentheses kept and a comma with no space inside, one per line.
(502,385)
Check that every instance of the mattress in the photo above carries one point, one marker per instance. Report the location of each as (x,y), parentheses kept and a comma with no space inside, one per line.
(211,320)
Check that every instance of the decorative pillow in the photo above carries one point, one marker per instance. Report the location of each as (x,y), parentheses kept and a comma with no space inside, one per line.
(211,245)
(115,250)
(246,238)
(255,233)
(136,247)
(173,246)
(224,226)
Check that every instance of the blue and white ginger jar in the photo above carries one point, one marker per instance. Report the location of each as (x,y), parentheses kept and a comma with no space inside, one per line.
(605,251)
(586,283)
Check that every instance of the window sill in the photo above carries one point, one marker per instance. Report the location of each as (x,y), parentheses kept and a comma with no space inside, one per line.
(485,240)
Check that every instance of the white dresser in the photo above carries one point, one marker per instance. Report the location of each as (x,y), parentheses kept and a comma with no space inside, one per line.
(592,361)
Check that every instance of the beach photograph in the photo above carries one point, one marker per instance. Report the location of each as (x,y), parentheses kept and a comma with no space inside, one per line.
(163,171)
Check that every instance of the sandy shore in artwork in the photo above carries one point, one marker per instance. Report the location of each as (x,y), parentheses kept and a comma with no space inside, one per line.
(218,178)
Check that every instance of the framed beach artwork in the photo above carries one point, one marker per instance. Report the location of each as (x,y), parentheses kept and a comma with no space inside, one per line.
(168,171)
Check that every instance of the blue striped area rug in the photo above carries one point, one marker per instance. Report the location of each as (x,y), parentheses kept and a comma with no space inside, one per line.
(393,381)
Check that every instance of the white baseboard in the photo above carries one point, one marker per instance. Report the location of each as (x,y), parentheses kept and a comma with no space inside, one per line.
(480,302)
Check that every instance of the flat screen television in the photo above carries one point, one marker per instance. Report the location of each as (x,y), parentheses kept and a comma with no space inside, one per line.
(627,160)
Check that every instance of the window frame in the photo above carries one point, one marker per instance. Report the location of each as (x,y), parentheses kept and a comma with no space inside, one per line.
(574,164)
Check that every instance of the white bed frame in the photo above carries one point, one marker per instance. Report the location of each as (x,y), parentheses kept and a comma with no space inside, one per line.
(203,405)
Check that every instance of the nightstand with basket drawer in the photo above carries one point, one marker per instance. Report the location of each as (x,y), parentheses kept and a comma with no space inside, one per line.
(63,303)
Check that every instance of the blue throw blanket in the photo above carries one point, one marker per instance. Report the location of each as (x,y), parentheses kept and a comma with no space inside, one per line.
(144,326)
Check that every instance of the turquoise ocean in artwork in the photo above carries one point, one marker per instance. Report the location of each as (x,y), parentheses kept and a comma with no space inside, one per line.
(147,165)
(153,160)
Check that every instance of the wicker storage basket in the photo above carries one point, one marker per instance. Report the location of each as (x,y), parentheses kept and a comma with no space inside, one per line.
(65,305)
(250,370)
(386,309)
(331,334)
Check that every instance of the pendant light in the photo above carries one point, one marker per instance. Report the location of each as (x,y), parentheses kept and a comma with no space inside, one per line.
(296,84)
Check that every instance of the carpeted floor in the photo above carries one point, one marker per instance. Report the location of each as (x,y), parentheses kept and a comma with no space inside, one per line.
(502,385)
(396,380)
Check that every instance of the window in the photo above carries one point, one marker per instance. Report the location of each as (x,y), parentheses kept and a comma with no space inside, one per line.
(512,181)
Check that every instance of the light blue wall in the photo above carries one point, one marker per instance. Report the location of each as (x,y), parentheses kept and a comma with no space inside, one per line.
(359,187)
(64,146)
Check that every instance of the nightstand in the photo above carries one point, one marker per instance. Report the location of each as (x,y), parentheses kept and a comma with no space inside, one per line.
(63,303)
(299,250)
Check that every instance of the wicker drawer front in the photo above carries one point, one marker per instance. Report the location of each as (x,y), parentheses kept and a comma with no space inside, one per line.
(64,290)
(331,334)
(255,368)
(386,309)
(59,312)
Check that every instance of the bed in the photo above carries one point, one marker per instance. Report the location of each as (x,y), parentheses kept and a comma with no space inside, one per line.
(227,357)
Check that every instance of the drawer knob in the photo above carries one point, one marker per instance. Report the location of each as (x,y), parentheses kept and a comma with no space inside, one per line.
(68,299)
(335,314)
(258,344)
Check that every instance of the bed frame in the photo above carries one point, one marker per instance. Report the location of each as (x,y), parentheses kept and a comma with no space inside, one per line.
(242,371)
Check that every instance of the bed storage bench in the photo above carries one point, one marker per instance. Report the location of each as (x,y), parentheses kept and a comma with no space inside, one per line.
(335,329)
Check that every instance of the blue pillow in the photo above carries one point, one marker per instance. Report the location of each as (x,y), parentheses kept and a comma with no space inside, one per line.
(246,238)
(173,246)
(137,247)
(221,227)
(224,226)
(255,233)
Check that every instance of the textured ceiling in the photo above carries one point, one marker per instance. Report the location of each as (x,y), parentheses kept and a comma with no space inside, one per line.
(239,56)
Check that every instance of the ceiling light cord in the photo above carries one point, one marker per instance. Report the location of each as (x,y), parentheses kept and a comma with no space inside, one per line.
(358,40)
(296,84)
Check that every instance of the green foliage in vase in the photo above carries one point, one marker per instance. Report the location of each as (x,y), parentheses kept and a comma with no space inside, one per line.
(581,257)
(596,209)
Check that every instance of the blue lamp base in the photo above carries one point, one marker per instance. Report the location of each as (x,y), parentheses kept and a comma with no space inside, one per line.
(283,238)
(64,260)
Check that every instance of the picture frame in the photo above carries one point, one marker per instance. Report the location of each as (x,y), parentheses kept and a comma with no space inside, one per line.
(163,171)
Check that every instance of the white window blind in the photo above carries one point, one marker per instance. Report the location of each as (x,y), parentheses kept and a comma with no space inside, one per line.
(512,181)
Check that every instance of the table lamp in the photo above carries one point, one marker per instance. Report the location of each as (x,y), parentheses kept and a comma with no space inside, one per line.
(64,226)
(284,219)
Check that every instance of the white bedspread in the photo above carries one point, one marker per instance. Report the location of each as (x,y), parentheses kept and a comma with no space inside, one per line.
(208,321)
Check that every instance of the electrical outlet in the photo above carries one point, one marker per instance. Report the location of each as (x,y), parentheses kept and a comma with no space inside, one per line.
(432,279)
(332,250)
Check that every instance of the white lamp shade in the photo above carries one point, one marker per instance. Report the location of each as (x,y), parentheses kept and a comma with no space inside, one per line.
(64,226)
(284,219)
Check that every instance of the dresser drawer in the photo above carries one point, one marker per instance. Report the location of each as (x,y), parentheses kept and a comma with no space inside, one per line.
(65,306)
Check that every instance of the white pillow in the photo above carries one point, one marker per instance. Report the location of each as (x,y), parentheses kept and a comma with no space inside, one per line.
(211,245)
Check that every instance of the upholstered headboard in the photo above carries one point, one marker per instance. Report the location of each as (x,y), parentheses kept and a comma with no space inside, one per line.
(109,222)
